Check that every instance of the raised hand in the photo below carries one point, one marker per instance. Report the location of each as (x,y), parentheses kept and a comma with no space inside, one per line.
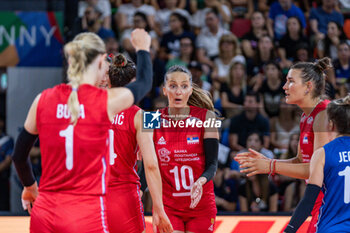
(140,39)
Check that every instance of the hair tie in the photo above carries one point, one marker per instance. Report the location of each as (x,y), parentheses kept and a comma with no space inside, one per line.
(74,89)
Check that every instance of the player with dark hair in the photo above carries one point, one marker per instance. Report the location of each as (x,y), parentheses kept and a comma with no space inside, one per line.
(124,206)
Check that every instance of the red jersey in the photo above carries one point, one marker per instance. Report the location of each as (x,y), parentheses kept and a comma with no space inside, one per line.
(74,158)
(181,160)
(306,140)
(124,160)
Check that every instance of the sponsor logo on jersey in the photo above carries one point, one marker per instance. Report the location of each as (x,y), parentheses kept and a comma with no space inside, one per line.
(310,120)
(161,141)
(302,119)
(211,228)
(305,140)
(192,140)
(151,120)
(164,155)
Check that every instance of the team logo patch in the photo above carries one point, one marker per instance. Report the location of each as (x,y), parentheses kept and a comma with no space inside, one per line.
(151,120)
(164,155)
(192,140)
(161,141)
(305,140)
(310,120)
(302,118)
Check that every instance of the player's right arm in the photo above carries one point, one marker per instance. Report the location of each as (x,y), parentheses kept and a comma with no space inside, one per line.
(254,163)
(154,180)
(121,98)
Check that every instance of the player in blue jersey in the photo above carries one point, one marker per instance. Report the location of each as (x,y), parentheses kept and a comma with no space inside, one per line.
(330,171)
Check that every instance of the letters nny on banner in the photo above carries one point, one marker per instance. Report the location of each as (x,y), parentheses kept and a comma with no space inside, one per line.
(31,38)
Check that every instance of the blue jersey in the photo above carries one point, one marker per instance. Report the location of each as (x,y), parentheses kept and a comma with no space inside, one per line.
(335,210)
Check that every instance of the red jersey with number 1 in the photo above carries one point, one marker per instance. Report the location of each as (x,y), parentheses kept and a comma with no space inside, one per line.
(123,161)
(181,159)
(74,158)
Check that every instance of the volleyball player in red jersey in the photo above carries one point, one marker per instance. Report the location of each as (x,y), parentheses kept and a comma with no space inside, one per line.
(72,122)
(187,156)
(304,86)
(124,206)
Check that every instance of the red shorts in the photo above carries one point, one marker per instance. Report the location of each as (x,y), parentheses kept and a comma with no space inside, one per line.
(315,212)
(125,209)
(198,224)
(68,213)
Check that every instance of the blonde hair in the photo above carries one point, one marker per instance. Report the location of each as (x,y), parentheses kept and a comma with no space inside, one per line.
(80,53)
(200,98)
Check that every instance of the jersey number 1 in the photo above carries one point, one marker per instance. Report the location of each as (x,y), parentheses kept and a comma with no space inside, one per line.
(346,174)
(68,135)
(183,169)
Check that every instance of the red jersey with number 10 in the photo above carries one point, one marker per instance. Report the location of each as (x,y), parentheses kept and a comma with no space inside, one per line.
(74,158)
(123,161)
(181,159)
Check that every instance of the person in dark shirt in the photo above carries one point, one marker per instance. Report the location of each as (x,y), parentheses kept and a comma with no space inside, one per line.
(248,121)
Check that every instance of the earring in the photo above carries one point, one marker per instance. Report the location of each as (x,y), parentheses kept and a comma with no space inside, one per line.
(306,92)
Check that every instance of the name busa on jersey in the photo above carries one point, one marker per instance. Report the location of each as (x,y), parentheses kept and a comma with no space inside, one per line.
(63,111)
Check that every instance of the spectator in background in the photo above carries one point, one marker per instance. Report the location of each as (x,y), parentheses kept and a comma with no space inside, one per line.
(102,6)
(208,40)
(232,92)
(255,67)
(271,90)
(198,76)
(290,189)
(126,12)
(187,53)
(199,16)
(6,148)
(258,193)
(288,43)
(90,22)
(279,13)
(170,44)
(258,29)
(302,53)
(283,126)
(140,21)
(161,4)
(229,52)
(112,46)
(328,47)
(248,121)
(342,64)
(162,16)
(321,16)
(242,8)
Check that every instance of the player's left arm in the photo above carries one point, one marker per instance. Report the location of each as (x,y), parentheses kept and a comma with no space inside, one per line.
(211,148)
(320,128)
(154,181)
(312,191)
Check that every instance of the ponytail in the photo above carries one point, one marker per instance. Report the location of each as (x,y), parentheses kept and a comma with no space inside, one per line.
(80,53)
(200,98)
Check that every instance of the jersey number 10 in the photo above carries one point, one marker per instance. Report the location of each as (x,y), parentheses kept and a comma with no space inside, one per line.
(182,176)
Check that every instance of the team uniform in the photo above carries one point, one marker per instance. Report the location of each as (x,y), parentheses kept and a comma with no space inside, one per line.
(335,210)
(306,143)
(124,206)
(181,160)
(74,162)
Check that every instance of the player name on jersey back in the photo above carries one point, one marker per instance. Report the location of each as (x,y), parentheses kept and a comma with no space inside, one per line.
(344,156)
(63,111)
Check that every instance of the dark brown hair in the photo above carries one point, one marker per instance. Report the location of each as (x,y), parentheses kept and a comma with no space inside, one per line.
(121,71)
(339,113)
(314,72)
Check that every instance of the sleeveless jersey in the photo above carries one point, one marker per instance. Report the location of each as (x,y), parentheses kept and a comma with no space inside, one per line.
(335,210)
(74,158)
(124,159)
(306,140)
(181,160)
